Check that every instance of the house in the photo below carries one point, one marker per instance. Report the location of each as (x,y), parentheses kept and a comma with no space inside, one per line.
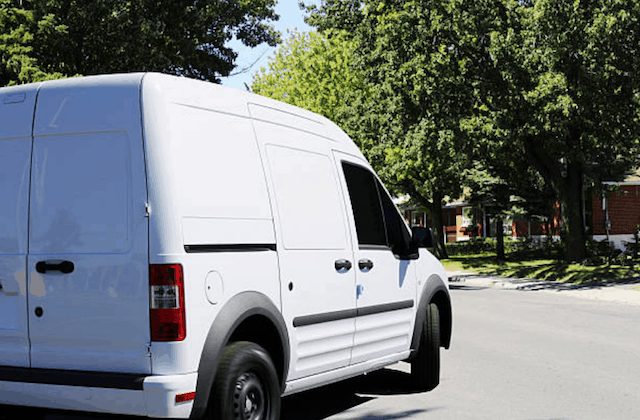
(614,216)
(463,221)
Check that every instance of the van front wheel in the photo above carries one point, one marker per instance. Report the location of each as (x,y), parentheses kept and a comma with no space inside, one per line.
(425,366)
(246,385)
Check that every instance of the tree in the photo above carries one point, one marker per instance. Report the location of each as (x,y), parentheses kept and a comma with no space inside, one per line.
(16,45)
(558,80)
(314,72)
(567,86)
(183,37)
(415,56)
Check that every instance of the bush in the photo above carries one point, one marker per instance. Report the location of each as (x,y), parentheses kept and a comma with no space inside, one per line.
(602,248)
(632,248)
(472,246)
(593,261)
(519,249)
(524,245)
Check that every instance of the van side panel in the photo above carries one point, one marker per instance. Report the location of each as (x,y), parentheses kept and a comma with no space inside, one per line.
(223,194)
(206,181)
(210,208)
(16,119)
(318,297)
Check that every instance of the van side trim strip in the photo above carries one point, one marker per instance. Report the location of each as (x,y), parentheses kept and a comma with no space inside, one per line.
(72,378)
(305,320)
(387,307)
(230,248)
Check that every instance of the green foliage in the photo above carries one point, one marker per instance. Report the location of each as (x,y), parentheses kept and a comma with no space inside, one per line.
(527,98)
(18,63)
(633,247)
(314,72)
(471,247)
(567,93)
(108,36)
(409,122)
(516,250)
(602,248)
(343,15)
(550,84)
(178,36)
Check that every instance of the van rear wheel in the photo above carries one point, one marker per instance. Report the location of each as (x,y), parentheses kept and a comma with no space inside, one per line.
(425,366)
(246,385)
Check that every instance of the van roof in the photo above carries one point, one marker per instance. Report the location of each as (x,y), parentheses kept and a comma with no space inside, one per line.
(198,93)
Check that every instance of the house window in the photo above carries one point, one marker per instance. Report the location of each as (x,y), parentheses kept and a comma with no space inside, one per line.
(467,216)
(507,227)
(365,203)
(417,218)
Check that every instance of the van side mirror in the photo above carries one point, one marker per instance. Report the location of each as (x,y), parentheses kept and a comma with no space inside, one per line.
(423,237)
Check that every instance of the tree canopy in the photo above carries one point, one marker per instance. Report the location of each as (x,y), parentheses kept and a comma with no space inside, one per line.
(314,72)
(546,84)
(18,63)
(567,94)
(69,37)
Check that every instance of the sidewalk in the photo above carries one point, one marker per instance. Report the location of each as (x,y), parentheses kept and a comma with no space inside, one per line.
(624,291)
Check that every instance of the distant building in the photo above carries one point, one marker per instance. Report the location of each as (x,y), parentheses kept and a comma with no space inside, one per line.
(462,221)
(619,210)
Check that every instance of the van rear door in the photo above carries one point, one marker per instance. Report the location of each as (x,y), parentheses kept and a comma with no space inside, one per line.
(16,117)
(88,231)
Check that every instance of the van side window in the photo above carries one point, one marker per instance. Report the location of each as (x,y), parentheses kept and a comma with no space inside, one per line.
(397,232)
(365,203)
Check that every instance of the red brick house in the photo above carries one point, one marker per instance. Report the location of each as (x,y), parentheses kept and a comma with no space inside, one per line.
(461,222)
(621,208)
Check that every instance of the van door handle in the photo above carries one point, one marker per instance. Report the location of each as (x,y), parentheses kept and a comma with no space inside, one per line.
(343,265)
(65,267)
(365,265)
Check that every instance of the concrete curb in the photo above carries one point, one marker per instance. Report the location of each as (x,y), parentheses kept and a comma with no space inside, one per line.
(627,291)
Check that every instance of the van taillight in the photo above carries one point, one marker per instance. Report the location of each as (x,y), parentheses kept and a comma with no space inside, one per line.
(166,304)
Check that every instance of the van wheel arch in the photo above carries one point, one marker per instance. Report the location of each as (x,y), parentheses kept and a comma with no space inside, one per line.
(435,291)
(248,316)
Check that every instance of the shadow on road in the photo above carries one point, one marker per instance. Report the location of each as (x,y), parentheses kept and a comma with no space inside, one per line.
(526,284)
(458,283)
(466,287)
(327,401)
(321,403)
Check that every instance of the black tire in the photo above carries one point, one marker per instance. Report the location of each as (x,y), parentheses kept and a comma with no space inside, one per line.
(246,385)
(425,366)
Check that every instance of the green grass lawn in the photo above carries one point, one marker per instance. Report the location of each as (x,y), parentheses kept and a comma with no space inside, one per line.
(540,269)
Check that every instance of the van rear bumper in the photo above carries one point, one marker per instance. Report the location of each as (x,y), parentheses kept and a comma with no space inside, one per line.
(140,395)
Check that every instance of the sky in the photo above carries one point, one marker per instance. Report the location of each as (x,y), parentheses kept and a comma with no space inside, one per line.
(251,59)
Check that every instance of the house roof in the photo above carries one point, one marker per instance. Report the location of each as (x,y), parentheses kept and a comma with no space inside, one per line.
(633,179)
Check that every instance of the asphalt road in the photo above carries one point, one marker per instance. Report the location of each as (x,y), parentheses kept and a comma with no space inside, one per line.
(518,355)
(515,355)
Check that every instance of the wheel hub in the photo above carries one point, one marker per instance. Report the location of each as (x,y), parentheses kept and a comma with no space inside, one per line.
(250,399)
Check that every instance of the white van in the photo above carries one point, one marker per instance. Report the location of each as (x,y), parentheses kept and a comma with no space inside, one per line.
(174,248)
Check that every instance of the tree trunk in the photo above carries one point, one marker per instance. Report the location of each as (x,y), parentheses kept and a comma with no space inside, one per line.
(569,187)
(435,208)
(499,239)
(571,202)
